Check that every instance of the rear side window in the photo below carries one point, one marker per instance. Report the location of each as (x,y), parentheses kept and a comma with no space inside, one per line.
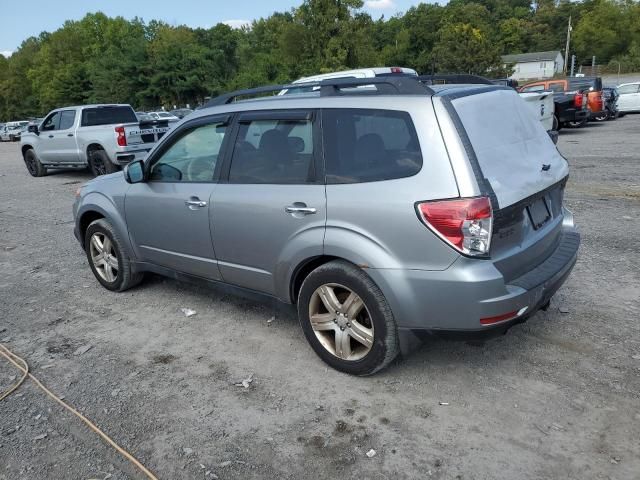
(364,145)
(273,151)
(107,116)
(556,86)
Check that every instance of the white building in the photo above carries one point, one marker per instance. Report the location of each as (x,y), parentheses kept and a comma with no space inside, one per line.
(535,65)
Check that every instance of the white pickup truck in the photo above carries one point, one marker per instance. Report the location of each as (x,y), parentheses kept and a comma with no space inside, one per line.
(101,137)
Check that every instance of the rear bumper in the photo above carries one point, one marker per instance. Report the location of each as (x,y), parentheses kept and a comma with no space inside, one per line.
(573,115)
(595,114)
(453,301)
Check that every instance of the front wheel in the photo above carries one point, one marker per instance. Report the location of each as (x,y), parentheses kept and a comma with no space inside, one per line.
(100,164)
(33,164)
(108,258)
(346,319)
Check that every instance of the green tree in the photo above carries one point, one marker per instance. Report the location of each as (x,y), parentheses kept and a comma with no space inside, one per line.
(462,48)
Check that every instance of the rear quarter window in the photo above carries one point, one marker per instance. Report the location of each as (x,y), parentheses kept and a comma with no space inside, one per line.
(366,145)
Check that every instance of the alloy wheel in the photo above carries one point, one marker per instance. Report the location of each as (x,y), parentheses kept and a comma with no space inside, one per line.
(341,322)
(103,256)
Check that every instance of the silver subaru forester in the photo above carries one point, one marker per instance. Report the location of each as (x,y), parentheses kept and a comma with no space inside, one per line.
(383,209)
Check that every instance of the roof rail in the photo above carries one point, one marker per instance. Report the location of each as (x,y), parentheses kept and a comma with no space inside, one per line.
(335,87)
(439,79)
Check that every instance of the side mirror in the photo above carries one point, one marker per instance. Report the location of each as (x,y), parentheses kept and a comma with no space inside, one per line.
(33,129)
(134,172)
(554,136)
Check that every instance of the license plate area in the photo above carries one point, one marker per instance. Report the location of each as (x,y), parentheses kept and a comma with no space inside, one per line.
(539,213)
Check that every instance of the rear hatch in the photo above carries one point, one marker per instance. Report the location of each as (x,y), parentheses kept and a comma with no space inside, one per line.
(524,174)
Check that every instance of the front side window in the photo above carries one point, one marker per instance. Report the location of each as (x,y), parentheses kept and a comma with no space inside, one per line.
(67,117)
(192,158)
(51,122)
(273,151)
(369,145)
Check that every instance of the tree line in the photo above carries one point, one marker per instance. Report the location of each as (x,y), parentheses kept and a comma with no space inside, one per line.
(99,59)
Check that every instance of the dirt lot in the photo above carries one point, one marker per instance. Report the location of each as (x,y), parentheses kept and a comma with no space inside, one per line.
(558,397)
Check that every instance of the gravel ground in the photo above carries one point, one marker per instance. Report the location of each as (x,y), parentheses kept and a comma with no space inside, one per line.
(557,397)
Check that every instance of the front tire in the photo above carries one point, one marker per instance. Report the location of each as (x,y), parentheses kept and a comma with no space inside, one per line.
(347,319)
(108,258)
(33,164)
(100,164)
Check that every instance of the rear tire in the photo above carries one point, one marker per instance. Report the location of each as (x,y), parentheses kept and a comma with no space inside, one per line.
(108,258)
(363,314)
(602,117)
(100,164)
(34,167)
(556,124)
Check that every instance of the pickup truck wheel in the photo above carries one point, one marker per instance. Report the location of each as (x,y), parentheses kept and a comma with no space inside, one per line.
(602,117)
(100,164)
(346,319)
(556,123)
(108,258)
(35,168)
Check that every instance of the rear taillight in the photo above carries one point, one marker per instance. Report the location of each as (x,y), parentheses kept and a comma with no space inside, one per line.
(121,137)
(463,223)
(578,100)
(396,70)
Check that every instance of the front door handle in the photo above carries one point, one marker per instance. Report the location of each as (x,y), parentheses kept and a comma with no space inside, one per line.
(194,203)
(50,136)
(300,208)
(69,134)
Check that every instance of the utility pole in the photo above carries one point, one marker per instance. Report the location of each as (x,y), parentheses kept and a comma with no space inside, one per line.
(566,50)
(573,65)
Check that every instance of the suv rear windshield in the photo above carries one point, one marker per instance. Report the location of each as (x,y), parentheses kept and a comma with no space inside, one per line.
(107,116)
(363,145)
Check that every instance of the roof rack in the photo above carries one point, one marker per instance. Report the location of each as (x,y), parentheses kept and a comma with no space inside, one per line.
(439,79)
(337,87)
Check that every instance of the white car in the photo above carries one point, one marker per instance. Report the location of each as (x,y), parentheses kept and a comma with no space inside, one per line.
(629,97)
(12,131)
(164,116)
(359,73)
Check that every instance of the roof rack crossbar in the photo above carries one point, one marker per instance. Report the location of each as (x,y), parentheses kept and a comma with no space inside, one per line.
(334,87)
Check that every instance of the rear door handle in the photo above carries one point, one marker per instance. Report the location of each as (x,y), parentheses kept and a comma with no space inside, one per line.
(69,134)
(304,210)
(50,136)
(195,203)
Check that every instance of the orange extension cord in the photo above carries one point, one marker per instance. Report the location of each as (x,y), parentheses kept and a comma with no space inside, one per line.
(21,365)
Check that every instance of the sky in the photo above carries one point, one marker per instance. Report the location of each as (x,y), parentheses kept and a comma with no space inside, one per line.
(20,20)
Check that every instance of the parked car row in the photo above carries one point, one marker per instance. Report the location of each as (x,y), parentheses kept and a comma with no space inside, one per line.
(581,99)
(381,208)
(12,131)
